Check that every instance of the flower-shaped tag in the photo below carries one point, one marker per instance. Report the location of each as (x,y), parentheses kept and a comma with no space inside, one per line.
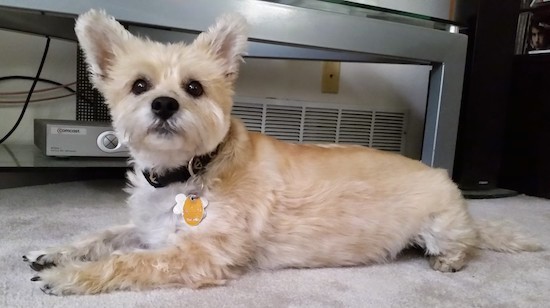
(191,207)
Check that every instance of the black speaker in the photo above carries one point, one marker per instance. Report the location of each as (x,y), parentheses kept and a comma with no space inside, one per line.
(491,34)
(90,104)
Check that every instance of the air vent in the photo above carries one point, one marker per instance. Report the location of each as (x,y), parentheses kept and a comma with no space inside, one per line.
(283,122)
(356,127)
(251,114)
(310,122)
(388,131)
(320,125)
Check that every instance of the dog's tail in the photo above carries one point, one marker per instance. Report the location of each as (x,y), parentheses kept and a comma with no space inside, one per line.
(504,237)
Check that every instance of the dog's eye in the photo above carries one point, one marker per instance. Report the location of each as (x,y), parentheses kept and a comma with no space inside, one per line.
(140,86)
(194,88)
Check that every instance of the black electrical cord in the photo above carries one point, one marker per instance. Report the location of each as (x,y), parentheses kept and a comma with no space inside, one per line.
(35,81)
(17,77)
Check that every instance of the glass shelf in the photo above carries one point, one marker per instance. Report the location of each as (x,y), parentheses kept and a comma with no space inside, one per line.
(28,155)
(371,11)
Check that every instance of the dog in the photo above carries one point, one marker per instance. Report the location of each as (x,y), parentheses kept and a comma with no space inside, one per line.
(210,200)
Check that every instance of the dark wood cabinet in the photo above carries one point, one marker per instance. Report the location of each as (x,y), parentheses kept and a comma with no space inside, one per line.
(526,160)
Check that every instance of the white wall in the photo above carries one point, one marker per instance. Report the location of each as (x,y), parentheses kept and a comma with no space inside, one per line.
(20,54)
(371,84)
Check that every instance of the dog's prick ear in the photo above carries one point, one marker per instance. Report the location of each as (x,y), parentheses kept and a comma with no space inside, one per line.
(227,40)
(100,37)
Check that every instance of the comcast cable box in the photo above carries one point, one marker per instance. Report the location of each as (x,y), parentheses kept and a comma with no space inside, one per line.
(77,138)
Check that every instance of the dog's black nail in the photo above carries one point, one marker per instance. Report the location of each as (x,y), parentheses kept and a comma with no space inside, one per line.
(454,270)
(46,289)
(39,257)
(36,278)
(37,267)
(25,259)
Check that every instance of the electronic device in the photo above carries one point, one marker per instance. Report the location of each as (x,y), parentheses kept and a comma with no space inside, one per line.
(485,97)
(64,138)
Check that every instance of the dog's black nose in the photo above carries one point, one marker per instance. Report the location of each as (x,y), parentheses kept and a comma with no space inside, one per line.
(164,107)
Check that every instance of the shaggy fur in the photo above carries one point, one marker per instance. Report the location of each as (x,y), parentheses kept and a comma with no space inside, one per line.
(271,204)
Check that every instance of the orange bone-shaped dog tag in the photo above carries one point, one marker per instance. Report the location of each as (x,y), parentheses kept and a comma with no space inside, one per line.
(192,207)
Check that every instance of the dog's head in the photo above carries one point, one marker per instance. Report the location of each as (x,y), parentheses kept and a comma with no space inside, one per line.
(169,102)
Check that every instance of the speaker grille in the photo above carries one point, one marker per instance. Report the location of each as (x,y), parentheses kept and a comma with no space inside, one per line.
(90,104)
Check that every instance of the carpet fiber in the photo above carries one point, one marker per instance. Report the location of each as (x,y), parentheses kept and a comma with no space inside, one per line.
(34,217)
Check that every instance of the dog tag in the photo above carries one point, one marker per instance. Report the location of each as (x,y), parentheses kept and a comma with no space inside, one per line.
(191,207)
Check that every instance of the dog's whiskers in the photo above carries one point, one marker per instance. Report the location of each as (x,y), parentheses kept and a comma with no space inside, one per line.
(163,128)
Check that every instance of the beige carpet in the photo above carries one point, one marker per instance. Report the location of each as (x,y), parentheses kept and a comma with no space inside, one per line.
(34,217)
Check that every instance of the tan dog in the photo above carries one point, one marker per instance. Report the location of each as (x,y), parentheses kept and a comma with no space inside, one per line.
(210,200)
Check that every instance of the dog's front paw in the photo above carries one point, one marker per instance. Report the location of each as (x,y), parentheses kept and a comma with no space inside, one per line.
(447,263)
(40,259)
(59,280)
(53,281)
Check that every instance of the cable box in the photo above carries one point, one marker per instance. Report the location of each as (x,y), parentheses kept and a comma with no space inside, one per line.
(65,138)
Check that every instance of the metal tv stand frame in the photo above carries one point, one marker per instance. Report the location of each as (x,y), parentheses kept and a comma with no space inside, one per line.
(288,32)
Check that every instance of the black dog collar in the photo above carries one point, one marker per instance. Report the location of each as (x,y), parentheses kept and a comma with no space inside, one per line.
(195,166)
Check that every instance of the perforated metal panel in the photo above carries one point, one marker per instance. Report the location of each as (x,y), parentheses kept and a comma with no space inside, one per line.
(309,122)
(90,104)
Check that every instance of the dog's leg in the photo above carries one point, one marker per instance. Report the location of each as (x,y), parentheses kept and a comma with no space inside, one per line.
(89,249)
(449,239)
(194,263)
(449,262)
